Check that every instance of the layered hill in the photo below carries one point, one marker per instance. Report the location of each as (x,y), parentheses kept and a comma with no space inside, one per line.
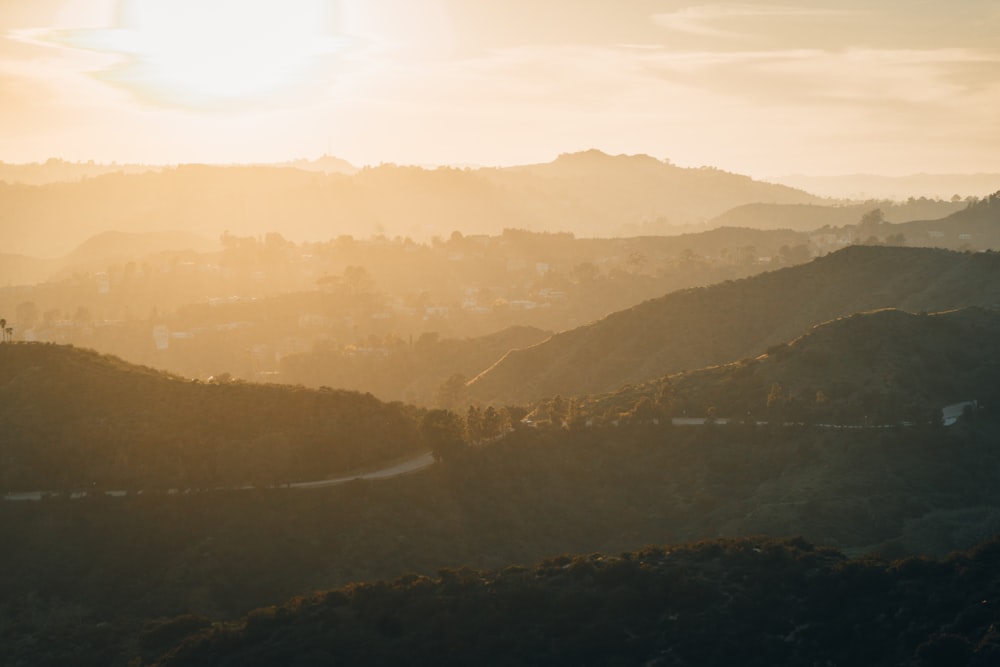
(977,226)
(73,419)
(86,581)
(746,602)
(868,186)
(416,373)
(591,193)
(880,367)
(809,217)
(701,327)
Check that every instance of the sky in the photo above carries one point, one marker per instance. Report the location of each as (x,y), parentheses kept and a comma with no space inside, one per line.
(766,88)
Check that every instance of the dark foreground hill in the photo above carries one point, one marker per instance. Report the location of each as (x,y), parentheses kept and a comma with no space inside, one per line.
(73,419)
(728,602)
(702,327)
(82,580)
(881,367)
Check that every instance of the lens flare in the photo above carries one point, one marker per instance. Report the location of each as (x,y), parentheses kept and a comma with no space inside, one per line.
(219,53)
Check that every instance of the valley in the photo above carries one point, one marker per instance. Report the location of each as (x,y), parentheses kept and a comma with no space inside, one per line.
(234,439)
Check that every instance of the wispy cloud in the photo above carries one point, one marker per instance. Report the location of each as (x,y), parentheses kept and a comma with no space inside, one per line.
(707,19)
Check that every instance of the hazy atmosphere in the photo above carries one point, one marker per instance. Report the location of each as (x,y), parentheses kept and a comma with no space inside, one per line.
(760,88)
(466,332)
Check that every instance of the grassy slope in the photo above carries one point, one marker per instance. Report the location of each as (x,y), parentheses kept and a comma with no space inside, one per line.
(72,418)
(707,326)
(879,367)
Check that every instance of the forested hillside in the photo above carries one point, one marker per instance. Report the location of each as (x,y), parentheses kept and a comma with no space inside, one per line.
(726,602)
(881,367)
(73,419)
(700,327)
(81,580)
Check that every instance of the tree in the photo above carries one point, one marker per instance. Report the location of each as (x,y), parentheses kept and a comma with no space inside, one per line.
(3,328)
(442,431)
(664,401)
(873,218)
(775,403)
(474,431)
(493,422)
(576,418)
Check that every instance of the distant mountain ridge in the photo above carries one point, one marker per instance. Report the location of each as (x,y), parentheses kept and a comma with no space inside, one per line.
(702,327)
(810,217)
(873,186)
(590,194)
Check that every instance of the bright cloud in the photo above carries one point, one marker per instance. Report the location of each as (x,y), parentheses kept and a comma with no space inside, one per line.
(707,19)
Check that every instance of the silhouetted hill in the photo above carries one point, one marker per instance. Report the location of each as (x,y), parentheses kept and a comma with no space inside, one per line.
(114,245)
(82,580)
(881,367)
(414,372)
(56,171)
(702,327)
(726,602)
(597,188)
(326,164)
(872,186)
(75,419)
(590,194)
(976,226)
(97,253)
(810,217)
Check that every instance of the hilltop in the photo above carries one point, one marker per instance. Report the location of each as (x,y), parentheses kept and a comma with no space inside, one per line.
(73,418)
(701,327)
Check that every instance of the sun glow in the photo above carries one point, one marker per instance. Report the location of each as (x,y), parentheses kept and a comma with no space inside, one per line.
(219,52)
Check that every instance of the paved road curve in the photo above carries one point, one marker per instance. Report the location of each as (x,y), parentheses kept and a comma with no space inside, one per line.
(395,470)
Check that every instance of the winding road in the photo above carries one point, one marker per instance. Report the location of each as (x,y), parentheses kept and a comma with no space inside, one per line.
(395,470)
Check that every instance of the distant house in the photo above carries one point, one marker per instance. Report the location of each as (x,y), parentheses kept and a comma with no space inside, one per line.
(951,413)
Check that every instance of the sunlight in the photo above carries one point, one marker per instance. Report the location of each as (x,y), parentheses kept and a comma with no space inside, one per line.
(209,53)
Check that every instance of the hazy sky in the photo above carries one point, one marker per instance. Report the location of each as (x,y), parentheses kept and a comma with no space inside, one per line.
(763,88)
